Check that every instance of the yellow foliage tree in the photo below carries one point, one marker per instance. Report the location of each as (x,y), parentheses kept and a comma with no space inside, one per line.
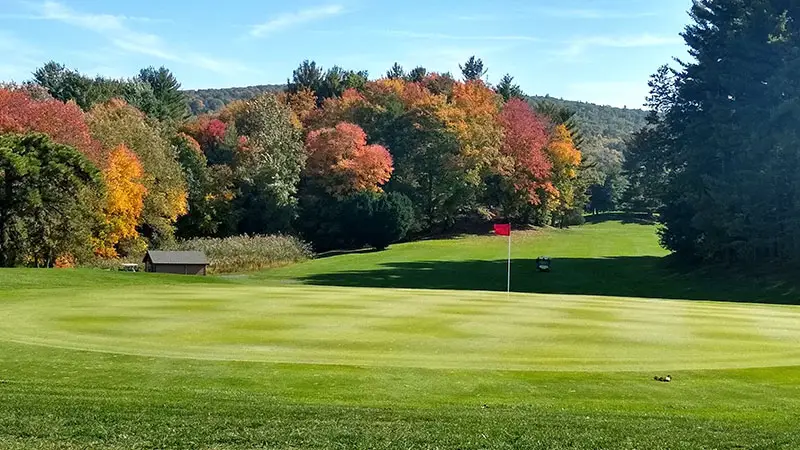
(566,158)
(472,115)
(124,201)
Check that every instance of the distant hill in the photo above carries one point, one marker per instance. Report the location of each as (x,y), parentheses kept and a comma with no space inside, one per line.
(594,120)
(598,120)
(210,100)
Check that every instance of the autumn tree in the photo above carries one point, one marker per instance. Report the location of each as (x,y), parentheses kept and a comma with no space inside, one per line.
(302,103)
(341,157)
(116,123)
(124,203)
(565,159)
(472,116)
(64,123)
(527,168)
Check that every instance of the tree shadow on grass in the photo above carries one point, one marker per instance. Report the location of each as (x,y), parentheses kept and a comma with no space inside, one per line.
(625,218)
(647,277)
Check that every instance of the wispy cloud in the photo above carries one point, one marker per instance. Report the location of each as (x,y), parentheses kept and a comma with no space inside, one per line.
(289,20)
(123,37)
(456,37)
(578,46)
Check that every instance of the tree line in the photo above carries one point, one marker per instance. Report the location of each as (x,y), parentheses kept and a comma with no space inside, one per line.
(106,168)
(719,158)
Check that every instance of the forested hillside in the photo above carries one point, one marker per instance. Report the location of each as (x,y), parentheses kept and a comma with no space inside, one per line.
(603,129)
(202,101)
(594,120)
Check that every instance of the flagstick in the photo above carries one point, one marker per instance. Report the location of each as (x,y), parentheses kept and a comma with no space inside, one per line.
(508,285)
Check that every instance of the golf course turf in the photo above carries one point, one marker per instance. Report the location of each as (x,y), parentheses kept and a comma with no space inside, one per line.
(415,347)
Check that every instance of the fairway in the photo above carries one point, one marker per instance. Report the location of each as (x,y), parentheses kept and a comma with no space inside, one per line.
(357,351)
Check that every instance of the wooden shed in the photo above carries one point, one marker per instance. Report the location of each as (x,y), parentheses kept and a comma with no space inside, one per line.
(182,263)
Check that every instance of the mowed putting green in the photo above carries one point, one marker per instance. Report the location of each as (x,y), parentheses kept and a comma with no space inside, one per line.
(406,328)
(415,347)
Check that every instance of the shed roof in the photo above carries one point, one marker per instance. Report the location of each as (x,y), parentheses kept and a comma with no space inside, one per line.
(176,258)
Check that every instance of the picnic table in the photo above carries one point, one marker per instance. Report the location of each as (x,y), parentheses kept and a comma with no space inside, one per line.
(129,267)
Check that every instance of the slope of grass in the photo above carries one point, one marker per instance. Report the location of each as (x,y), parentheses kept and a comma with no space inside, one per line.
(609,258)
(93,359)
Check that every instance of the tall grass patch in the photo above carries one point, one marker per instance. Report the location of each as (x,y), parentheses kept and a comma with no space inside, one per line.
(248,253)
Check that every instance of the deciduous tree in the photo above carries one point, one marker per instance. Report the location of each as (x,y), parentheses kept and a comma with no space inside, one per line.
(116,123)
(343,159)
(124,202)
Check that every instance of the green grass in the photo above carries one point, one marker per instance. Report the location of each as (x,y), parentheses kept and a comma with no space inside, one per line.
(350,352)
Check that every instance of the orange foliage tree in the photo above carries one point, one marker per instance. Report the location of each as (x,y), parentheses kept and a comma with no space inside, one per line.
(124,201)
(341,157)
(302,103)
(472,117)
(116,123)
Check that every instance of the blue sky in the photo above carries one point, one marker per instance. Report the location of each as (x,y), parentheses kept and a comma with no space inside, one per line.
(592,50)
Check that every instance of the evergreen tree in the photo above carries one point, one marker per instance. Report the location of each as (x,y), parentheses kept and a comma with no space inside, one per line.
(396,72)
(171,104)
(730,195)
(473,69)
(508,89)
(417,74)
(42,213)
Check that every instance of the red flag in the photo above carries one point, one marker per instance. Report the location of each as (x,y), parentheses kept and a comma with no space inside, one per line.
(502,229)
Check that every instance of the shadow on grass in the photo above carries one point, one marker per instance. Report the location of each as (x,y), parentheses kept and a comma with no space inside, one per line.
(332,253)
(625,218)
(647,277)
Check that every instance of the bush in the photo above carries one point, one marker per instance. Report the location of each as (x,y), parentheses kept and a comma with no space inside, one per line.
(248,253)
(391,217)
(364,219)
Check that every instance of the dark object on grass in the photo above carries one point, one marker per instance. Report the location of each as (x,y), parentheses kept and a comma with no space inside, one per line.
(183,263)
(665,379)
(543,264)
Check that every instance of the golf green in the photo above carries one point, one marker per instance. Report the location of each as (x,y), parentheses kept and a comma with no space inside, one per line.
(406,328)
(415,347)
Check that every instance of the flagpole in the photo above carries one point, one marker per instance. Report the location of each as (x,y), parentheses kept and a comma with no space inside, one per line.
(508,283)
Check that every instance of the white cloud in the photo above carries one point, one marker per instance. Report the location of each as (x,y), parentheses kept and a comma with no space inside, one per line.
(289,20)
(579,46)
(129,40)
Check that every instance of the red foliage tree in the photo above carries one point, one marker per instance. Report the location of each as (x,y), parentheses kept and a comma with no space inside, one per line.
(206,130)
(64,123)
(341,158)
(524,143)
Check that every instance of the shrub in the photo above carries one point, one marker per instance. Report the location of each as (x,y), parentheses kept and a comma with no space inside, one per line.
(363,219)
(248,253)
(391,217)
